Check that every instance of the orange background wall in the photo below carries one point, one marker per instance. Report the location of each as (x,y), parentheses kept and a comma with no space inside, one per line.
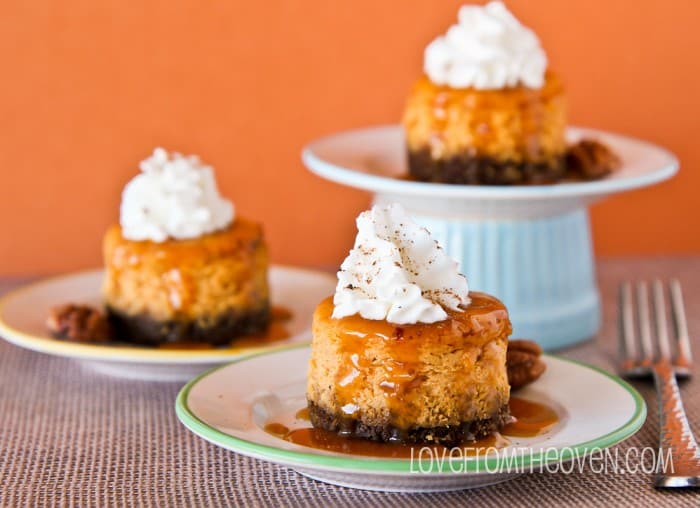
(89,88)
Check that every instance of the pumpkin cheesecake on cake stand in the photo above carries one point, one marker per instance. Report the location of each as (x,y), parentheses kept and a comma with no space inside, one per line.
(484,159)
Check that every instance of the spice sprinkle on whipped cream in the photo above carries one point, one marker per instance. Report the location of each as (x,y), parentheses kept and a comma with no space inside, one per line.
(175,196)
(487,49)
(397,272)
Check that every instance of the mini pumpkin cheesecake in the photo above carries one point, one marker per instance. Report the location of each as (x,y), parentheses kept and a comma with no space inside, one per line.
(179,266)
(487,110)
(403,352)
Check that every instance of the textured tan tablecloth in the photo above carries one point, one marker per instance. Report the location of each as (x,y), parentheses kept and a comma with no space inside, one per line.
(71,437)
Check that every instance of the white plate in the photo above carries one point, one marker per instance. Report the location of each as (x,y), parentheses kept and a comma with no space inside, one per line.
(229,407)
(23,314)
(374,159)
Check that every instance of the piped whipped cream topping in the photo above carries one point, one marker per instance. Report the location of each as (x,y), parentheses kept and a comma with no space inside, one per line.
(397,272)
(175,196)
(487,49)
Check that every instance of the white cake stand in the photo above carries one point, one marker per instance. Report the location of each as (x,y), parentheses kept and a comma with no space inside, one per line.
(528,245)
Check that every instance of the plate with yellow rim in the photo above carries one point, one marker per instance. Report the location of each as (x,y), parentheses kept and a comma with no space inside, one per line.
(23,314)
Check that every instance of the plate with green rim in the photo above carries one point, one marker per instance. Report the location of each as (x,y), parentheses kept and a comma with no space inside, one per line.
(229,406)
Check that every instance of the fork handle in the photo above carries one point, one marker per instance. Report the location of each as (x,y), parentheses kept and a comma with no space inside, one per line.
(676,436)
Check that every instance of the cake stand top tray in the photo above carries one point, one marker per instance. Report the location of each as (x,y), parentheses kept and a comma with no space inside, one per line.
(374,159)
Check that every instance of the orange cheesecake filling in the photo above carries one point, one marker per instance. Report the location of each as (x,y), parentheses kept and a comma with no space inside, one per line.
(515,124)
(187,279)
(420,374)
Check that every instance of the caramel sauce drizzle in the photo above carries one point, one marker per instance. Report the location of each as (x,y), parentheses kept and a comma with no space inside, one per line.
(531,419)
(237,240)
(303,414)
(403,348)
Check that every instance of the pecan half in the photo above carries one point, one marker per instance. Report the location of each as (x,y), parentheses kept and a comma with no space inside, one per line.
(589,159)
(523,362)
(79,323)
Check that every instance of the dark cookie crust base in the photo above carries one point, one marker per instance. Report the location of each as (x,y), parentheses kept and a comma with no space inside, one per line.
(446,436)
(477,170)
(142,329)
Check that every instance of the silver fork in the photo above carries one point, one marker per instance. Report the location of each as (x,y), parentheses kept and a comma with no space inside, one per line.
(665,362)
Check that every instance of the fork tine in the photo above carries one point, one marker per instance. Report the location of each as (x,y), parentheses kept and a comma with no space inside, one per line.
(684,358)
(644,323)
(660,321)
(628,345)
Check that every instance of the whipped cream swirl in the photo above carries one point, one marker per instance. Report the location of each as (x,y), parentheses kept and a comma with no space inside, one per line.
(175,196)
(487,49)
(397,272)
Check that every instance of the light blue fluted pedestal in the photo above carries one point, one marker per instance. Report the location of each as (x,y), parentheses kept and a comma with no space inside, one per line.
(542,269)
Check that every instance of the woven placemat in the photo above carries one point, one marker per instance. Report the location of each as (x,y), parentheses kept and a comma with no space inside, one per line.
(73,438)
